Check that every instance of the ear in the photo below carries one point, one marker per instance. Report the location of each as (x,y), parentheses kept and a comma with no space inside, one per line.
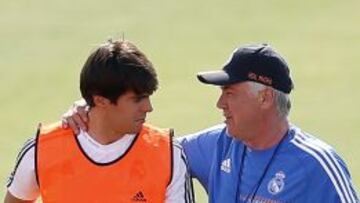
(266,98)
(101,101)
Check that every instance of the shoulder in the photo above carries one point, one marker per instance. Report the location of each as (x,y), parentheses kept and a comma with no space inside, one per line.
(323,164)
(211,131)
(199,149)
(312,150)
(49,136)
(206,136)
(197,145)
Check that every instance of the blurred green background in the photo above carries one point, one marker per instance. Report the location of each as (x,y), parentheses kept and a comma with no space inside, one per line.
(43,45)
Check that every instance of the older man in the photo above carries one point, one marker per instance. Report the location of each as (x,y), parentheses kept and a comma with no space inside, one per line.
(258,156)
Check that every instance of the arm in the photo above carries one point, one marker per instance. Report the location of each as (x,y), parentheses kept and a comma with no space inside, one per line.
(180,190)
(22,185)
(9,198)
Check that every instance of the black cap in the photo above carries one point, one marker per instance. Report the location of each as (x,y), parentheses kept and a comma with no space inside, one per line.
(257,62)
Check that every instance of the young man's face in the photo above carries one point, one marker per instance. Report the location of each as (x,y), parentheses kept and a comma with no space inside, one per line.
(240,109)
(129,112)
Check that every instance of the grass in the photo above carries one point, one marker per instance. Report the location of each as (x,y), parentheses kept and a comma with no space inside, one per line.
(45,43)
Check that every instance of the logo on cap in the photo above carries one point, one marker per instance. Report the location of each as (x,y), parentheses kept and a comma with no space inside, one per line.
(260,78)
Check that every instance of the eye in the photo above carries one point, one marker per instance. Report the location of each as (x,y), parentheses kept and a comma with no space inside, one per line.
(228,93)
(139,98)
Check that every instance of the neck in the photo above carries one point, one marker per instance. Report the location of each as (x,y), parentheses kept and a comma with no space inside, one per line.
(268,134)
(100,130)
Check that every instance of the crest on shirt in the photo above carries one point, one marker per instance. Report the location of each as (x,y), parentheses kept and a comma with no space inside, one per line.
(276,184)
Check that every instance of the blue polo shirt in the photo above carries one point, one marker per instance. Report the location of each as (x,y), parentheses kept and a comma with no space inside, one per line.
(300,169)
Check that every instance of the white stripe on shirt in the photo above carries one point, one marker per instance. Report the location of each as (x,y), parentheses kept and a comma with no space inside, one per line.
(326,152)
(326,160)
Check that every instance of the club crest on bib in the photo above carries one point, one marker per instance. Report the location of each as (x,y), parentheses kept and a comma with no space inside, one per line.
(276,184)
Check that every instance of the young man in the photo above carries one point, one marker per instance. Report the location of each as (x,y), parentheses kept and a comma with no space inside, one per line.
(119,158)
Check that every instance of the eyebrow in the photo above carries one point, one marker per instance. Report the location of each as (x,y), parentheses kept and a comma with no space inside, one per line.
(225,87)
(142,95)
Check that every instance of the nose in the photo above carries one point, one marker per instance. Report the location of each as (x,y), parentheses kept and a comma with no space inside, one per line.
(221,101)
(147,106)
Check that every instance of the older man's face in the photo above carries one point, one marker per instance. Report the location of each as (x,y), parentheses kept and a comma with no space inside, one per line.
(241,109)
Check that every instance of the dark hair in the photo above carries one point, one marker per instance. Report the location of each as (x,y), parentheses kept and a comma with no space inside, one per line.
(115,68)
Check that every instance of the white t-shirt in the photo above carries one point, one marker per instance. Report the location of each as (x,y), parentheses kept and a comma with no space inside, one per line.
(23,185)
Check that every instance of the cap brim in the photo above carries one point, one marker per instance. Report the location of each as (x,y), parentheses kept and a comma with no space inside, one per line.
(219,77)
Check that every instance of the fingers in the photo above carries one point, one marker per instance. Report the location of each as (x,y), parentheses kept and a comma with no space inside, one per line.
(64,123)
(79,122)
(72,119)
(83,113)
(71,123)
(77,117)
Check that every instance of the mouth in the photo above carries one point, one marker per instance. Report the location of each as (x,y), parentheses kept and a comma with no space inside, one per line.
(141,120)
(227,118)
